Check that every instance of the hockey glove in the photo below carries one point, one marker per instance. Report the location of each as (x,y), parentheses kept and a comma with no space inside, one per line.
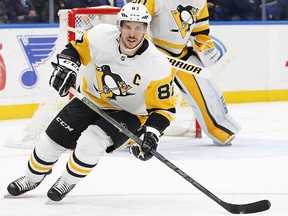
(149,142)
(64,74)
(205,49)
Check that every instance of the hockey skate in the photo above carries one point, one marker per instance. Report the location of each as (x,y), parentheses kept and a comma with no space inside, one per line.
(59,190)
(23,185)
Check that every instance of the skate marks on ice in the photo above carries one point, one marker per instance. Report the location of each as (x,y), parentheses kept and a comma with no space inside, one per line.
(128,205)
(187,148)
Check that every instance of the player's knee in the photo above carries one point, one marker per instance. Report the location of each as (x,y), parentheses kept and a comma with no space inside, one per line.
(47,149)
(92,145)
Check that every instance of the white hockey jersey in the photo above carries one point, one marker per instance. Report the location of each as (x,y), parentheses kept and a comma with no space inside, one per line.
(137,84)
(174,21)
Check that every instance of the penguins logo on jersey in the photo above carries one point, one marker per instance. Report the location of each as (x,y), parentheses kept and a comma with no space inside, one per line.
(184,18)
(110,85)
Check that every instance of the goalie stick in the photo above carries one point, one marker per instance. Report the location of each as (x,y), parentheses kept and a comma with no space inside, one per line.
(254,207)
(197,70)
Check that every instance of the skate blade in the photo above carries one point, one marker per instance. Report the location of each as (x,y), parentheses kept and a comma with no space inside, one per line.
(9,196)
(51,202)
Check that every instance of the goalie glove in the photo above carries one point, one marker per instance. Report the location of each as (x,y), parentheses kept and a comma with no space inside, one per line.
(205,49)
(64,74)
(150,141)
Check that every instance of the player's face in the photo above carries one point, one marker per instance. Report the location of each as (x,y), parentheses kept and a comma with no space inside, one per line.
(132,33)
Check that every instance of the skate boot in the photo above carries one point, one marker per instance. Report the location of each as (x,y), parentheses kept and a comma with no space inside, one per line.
(59,190)
(23,185)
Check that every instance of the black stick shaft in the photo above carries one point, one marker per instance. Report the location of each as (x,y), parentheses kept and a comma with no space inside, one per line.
(233,208)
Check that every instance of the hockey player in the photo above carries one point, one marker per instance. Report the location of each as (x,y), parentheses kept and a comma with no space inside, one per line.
(174,25)
(128,77)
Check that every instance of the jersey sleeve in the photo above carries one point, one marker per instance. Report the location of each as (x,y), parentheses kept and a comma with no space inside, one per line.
(160,103)
(69,50)
(83,49)
(202,23)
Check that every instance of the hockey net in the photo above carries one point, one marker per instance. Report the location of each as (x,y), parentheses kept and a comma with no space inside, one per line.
(72,24)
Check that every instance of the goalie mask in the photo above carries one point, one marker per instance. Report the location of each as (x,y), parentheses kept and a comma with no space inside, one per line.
(133,12)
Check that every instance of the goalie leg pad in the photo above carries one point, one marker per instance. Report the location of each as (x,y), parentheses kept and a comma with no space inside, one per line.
(209,106)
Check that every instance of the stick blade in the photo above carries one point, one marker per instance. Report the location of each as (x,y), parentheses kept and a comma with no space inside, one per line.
(255,207)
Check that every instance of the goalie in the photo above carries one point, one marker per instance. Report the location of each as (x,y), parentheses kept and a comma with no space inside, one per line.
(128,77)
(174,24)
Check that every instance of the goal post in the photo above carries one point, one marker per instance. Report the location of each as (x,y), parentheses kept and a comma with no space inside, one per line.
(73,23)
(79,20)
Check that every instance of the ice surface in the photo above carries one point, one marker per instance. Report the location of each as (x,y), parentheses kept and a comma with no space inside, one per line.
(252,169)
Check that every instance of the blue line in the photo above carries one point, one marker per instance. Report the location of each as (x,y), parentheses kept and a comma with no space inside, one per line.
(38,25)
(56,25)
(248,23)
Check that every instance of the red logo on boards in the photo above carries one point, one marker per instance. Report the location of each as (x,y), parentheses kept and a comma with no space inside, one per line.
(2,71)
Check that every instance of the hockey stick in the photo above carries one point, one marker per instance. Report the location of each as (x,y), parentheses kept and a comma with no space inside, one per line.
(189,67)
(254,207)
(197,70)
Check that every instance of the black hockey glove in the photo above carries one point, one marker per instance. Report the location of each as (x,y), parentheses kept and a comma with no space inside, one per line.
(150,141)
(64,74)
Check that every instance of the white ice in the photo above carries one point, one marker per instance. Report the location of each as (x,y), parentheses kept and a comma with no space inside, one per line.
(254,168)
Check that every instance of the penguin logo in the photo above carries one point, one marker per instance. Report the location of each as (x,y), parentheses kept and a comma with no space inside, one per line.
(110,85)
(184,18)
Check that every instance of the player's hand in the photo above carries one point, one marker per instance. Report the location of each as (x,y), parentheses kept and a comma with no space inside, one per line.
(64,74)
(150,141)
(204,47)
